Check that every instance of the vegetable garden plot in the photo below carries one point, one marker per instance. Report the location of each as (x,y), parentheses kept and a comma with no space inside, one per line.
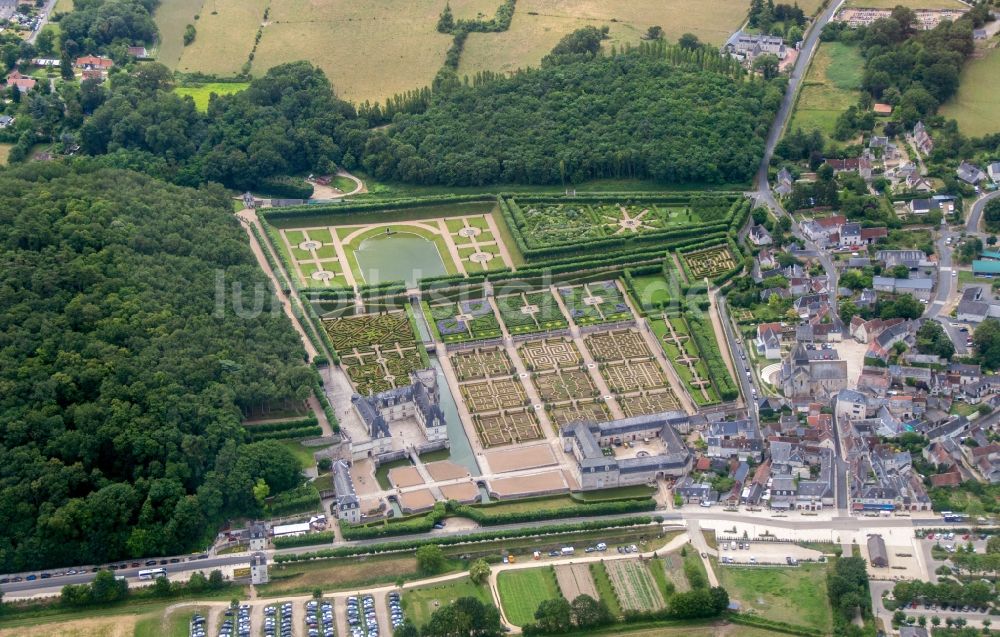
(635,585)
(465,321)
(524,313)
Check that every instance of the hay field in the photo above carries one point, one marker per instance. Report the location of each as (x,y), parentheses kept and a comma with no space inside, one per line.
(225,36)
(975,105)
(539,24)
(831,86)
(368,50)
(171,18)
(113,626)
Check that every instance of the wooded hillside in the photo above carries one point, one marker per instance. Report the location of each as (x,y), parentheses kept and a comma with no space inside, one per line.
(122,377)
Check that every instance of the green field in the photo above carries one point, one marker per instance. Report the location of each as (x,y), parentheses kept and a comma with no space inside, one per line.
(302,453)
(605,589)
(975,105)
(176,625)
(226,30)
(201,93)
(652,289)
(793,595)
(522,590)
(830,87)
(171,19)
(420,603)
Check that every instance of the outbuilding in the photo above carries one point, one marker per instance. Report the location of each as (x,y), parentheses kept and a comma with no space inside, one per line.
(877,555)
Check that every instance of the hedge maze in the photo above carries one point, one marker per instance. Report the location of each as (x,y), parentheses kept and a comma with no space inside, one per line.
(709,262)
(378,351)
(528,312)
(594,303)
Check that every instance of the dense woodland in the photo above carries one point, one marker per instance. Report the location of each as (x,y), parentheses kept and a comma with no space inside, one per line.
(123,379)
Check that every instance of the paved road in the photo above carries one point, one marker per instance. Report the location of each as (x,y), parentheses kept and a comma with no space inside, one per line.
(748,385)
(972,225)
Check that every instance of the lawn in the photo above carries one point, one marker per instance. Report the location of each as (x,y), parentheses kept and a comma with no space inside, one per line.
(522,590)
(420,603)
(605,589)
(226,30)
(829,89)
(339,574)
(302,453)
(201,92)
(652,289)
(539,24)
(793,595)
(975,105)
(176,625)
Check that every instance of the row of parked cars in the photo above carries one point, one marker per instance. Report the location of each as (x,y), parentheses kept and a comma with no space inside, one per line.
(94,569)
(361,619)
(319,618)
(395,610)
(237,623)
(278,620)
(197,627)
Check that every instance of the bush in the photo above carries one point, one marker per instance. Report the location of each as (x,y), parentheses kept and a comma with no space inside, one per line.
(286,187)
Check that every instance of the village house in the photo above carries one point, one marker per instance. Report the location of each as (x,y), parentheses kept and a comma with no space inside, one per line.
(923,206)
(784,182)
(922,139)
(347,504)
(759,236)
(821,229)
(993,170)
(970,173)
(22,82)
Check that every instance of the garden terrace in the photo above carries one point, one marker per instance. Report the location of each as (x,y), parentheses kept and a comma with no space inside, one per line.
(464,321)
(708,263)
(594,303)
(566,386)
(675,338)
(527,312)
(546,228)
(378,351)
(481,362)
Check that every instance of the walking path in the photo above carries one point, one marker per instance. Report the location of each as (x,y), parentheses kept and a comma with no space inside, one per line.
(704,550)
(720,334)
(425,475)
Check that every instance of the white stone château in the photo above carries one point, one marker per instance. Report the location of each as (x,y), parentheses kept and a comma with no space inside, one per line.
(420,400)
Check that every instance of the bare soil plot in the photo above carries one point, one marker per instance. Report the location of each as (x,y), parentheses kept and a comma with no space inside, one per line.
(634,585)
(545,482)
(446,470)
(401,477)
(462,492)
(226,32)
(539,24)
(575,580)
(419,500)
(514,459)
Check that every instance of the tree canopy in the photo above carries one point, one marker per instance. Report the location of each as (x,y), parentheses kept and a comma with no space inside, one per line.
(126,369)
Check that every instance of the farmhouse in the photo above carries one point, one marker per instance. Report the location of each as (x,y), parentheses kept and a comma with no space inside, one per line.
(993,170)
(419,400)
(587,442)
(747,46)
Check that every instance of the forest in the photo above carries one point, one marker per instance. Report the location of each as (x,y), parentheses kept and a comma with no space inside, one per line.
(660,112)
(125,369)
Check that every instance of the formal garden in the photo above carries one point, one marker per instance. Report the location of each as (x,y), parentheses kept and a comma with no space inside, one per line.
(674,335)
(464,321)
(594,303)
(527,312)
(377,351)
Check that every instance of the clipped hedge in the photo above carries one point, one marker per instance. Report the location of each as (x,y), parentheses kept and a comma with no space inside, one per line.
(309,539)
(285,187)
(450,540)
(483,515)
(395,526)
(321,210)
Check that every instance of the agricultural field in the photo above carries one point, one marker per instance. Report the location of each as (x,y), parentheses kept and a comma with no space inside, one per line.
(171,19)
(539,24)
(420,603)
(522,590)
(709,262)
(793,595)
(378,351)
(575,580)
(407,249)
(975,105)
(465,321)
(830,87)
(634,585)
(527,312)
(201,93)
(594,303)
(226,31)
